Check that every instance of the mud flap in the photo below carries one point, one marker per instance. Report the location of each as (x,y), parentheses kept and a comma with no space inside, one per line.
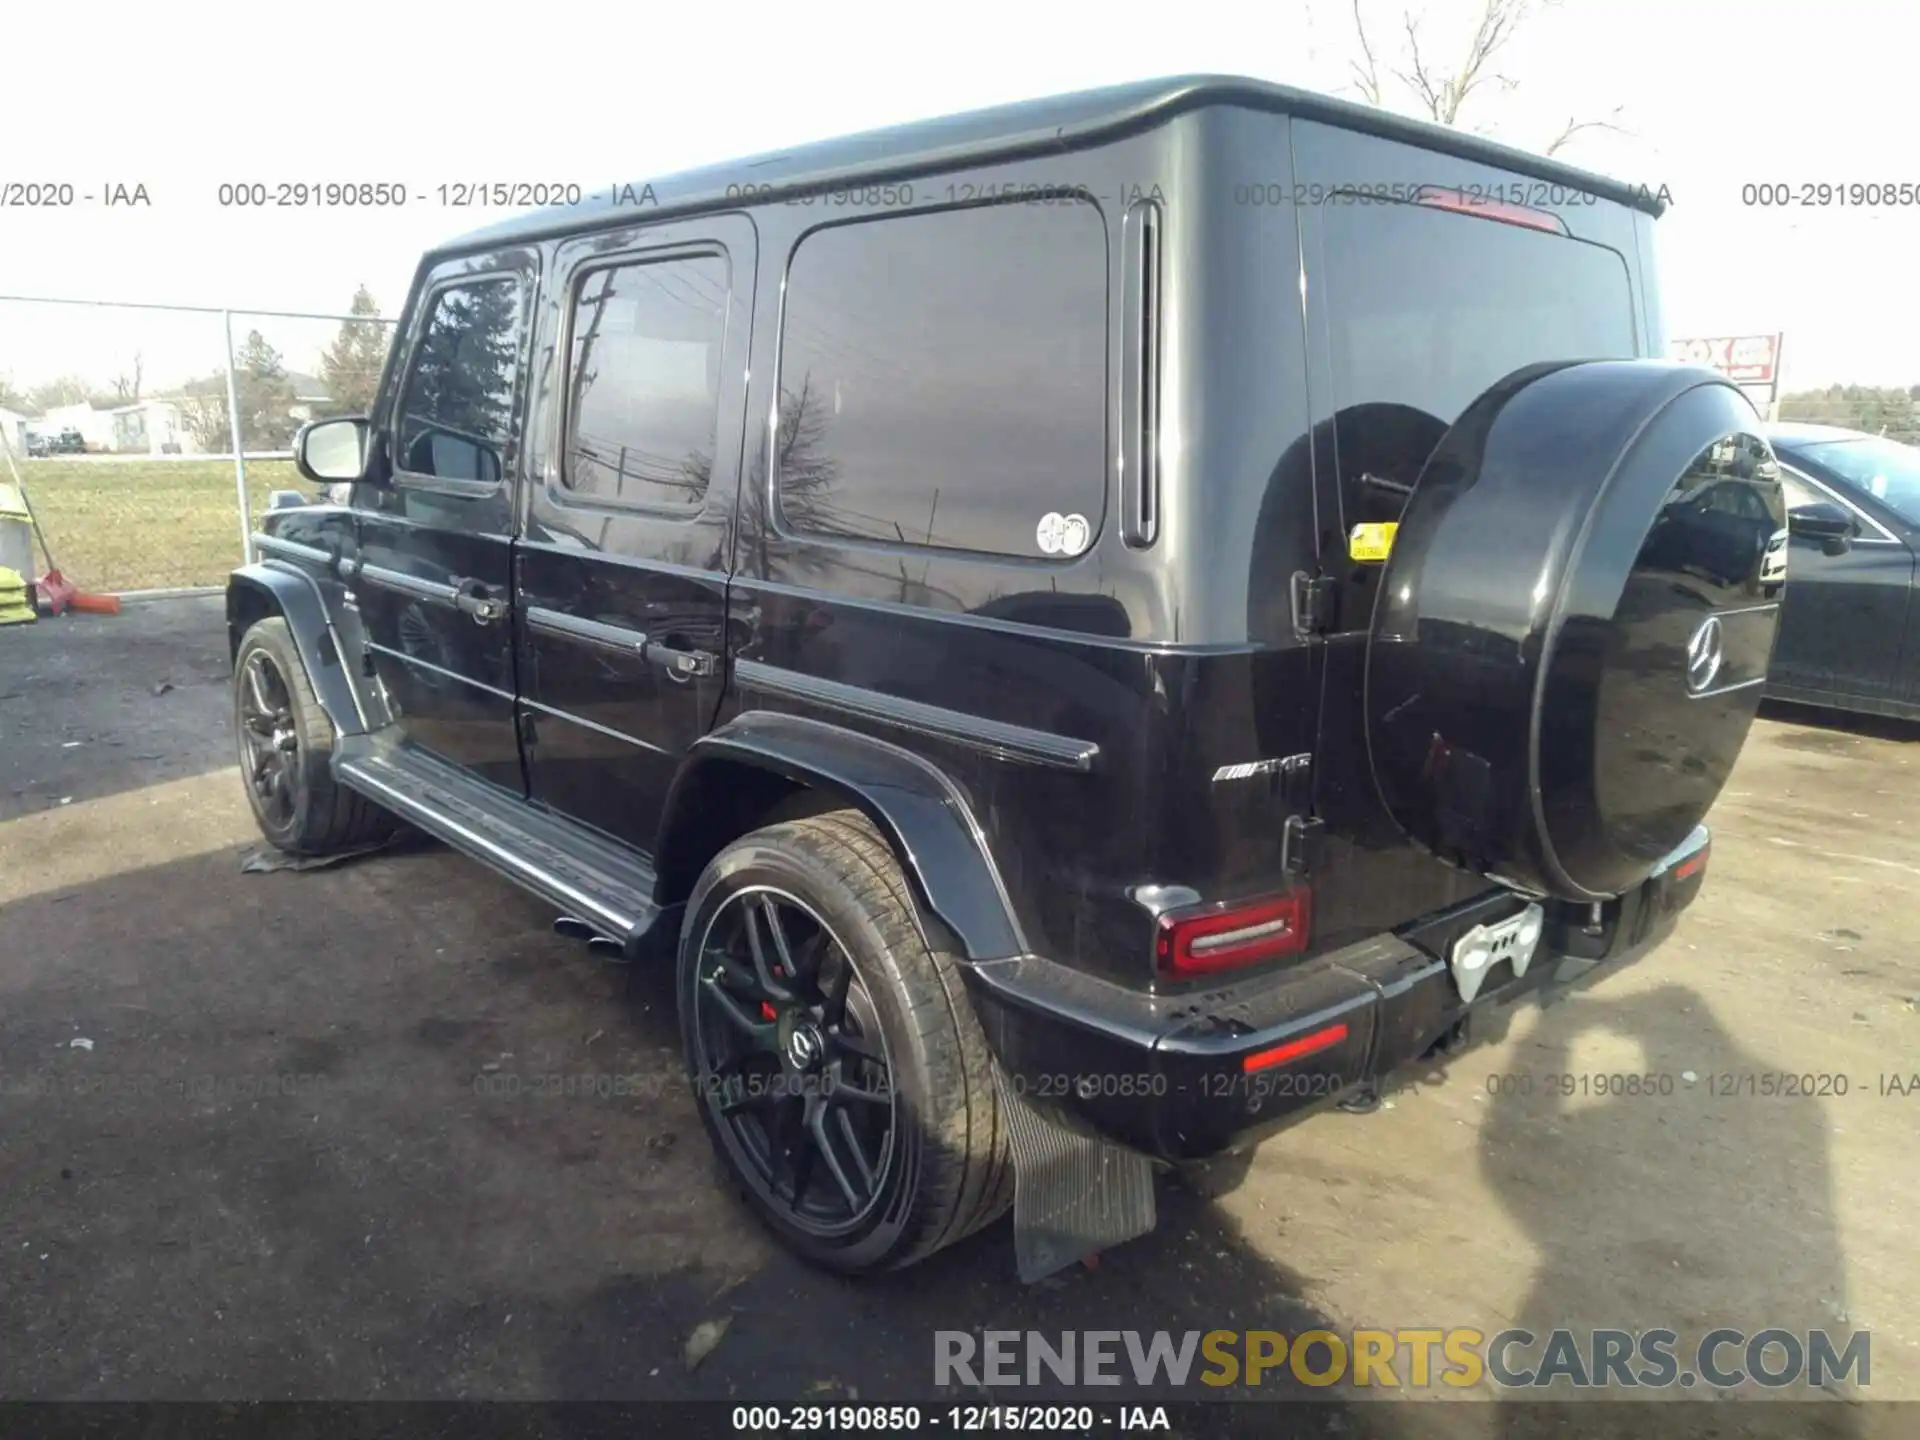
(1073,1193)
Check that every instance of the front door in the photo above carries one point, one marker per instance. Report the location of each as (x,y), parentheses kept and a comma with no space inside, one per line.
(623,569)
(436,544)
(1843,618)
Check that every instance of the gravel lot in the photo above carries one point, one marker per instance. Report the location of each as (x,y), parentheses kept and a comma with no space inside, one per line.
(175,1223)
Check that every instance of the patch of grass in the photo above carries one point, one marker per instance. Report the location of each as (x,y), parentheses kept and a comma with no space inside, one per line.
(147,524)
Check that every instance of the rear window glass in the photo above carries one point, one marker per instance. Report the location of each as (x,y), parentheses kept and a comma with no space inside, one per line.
(1427,309)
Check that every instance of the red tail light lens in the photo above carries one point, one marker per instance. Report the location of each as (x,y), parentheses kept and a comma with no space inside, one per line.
(1295,1049)
(1459,201)
(1690,866)
(1205,942)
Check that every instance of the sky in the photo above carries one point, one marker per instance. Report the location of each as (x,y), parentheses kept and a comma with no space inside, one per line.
(1714,96)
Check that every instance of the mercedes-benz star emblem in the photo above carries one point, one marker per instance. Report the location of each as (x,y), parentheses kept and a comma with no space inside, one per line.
(1705,654)
(804,1047)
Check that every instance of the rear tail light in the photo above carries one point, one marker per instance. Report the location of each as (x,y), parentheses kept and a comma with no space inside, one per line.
(1461,202)
(1205,942)
(1692,865)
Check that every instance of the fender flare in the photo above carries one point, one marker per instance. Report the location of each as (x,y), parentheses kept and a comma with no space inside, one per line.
(919,809)
(296,597)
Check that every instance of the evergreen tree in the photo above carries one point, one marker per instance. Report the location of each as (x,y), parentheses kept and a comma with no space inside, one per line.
(265,394)
(351,365)
(463,378)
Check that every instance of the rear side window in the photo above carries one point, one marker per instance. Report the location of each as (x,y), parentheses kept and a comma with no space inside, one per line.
(1428,308)
(643,399)
(456,404)
(942,380)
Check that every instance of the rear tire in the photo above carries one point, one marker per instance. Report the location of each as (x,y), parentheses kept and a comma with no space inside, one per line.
(286,748)
(767,1060)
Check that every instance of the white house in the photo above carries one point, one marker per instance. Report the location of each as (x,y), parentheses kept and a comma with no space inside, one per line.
(155,426)
(14,426)
(310,396)
(95,426)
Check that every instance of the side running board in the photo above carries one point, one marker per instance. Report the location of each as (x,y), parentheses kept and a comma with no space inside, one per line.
(565,863)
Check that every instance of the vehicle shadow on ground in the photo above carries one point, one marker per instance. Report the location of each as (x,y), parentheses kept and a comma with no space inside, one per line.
(796,1332)
(355,1134)
(1623,1200)
(1671,1247)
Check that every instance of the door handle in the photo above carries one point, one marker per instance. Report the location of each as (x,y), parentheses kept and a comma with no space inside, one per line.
(474,598)
(681,665)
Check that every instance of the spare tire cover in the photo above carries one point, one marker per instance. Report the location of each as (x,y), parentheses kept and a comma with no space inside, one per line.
(1571,635)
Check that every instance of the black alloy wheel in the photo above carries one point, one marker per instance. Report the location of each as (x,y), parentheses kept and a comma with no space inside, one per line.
(792,1063)
(269,740)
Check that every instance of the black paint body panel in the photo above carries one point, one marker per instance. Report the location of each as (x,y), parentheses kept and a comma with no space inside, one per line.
(1849,623)
(1040,733)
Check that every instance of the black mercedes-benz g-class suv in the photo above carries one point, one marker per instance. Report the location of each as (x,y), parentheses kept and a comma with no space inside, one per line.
(1080,630)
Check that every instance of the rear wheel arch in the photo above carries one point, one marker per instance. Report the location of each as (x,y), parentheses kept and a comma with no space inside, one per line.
(764,768)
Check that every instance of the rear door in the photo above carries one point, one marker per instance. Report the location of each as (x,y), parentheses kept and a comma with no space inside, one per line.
(1412,310)
(435,563)
(623,568)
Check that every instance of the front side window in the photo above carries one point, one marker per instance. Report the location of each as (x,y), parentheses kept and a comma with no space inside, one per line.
(456,404)
(1884,469)
(1798,493)
(942,381)
(643,401)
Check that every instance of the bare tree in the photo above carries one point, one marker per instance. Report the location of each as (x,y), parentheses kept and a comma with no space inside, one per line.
(1574,126)
(125,389)
(1441,89)
(1366,76)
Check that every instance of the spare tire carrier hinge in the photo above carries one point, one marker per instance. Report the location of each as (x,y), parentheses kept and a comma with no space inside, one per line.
(1313,597)
(1300,844)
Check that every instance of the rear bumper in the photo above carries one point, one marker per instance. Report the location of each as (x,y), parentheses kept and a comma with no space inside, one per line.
(1166,1075)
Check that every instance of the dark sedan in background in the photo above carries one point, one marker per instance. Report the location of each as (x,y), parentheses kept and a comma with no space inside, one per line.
(1849,626)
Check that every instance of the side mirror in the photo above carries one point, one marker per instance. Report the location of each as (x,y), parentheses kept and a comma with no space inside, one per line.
(330,452)
(1824,521)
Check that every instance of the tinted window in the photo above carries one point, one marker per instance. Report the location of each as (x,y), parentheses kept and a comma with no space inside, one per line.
(942,378)
(1427,309)
(1885,469)
(1734,499)
(645,384)
(1799,494)
(456,409)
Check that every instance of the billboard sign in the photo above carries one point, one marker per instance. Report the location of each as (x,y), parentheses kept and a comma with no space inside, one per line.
(1743,359)
(1751,361)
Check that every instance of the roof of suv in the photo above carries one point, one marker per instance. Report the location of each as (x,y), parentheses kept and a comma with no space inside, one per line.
(1031,128)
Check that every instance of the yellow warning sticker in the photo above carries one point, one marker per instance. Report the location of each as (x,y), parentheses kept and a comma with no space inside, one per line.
(1372,542)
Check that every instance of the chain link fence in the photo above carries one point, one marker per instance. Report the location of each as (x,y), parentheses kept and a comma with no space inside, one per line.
(143,434)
